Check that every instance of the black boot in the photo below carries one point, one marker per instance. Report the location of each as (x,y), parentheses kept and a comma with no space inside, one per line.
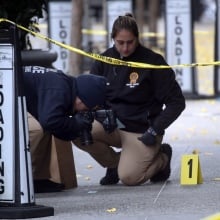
(164,174)
(111,177)
(47,186)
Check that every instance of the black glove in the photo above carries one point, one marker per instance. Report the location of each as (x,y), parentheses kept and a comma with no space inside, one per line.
(149,137)
(84,123)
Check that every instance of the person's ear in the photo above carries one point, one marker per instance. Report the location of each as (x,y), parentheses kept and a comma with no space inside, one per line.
(79,105)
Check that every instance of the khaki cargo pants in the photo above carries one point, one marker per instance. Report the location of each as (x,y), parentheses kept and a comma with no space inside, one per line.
(51,157)
(137,162)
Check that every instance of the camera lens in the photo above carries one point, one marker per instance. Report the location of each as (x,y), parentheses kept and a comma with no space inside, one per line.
(86,138)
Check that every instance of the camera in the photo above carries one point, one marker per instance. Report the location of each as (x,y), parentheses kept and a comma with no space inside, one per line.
(85,134)
(105,116)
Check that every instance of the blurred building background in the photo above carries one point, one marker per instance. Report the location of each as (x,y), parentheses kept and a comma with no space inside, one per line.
(89,32)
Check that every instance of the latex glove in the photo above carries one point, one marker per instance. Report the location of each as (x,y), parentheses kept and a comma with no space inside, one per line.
(149,137)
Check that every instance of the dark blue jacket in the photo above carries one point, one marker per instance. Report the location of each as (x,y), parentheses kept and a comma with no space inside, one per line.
(141,96)
(50,96)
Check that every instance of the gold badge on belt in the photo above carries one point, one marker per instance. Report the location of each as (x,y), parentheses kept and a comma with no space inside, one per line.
(133,80)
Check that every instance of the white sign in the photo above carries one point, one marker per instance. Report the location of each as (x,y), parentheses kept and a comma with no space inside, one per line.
(60,24)
(115,9)
(7,132)
(179,41)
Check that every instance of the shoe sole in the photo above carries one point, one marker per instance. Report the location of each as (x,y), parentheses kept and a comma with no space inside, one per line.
(164,174)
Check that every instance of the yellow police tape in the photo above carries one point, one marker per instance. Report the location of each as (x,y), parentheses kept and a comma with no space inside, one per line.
(105,59)
(145,34)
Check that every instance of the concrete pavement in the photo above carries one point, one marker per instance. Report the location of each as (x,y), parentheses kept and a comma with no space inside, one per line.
(197,129)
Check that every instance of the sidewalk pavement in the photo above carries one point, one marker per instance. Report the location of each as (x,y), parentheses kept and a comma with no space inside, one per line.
(198,130)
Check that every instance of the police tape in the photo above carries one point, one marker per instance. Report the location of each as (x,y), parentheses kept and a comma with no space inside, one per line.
(104,32)
(105,59)
(144,34)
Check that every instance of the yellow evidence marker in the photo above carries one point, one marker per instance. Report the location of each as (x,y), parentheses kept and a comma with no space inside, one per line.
(190,170)
(213,217)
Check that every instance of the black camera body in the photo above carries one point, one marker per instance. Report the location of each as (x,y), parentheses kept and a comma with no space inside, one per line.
(105,116)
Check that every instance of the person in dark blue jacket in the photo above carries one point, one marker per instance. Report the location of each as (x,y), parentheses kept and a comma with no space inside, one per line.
(53,100)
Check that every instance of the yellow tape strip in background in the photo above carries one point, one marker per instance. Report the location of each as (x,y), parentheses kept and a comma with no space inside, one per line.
(144,34)
(105,59)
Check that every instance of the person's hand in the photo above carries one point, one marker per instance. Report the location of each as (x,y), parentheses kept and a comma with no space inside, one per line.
(149,137)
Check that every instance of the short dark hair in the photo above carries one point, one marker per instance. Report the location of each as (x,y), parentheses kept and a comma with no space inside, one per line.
(127,22)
